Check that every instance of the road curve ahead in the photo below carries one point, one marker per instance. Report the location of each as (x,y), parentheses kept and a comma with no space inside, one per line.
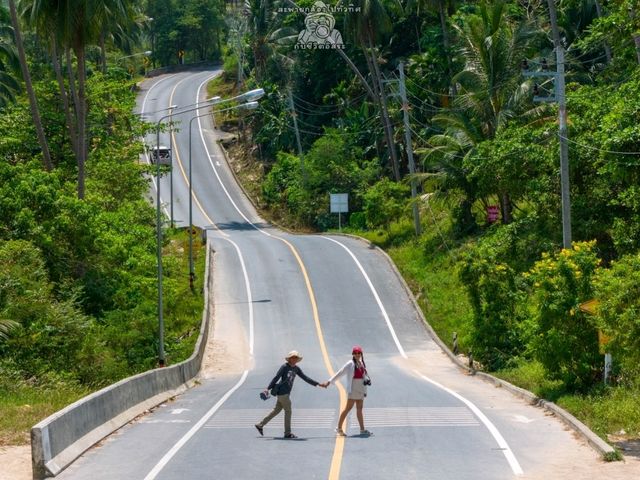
(319,294)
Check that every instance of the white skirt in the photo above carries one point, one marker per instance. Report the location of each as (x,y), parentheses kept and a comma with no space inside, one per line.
(358,389)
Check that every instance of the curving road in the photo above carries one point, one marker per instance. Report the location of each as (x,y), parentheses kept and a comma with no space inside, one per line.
(319,294)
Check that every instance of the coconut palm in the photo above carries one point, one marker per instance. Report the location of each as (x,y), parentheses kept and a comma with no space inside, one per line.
(122,26)
(368,27)
(6,326)
(441,6)
(73,25)
(9,85)
(490,88)
(33,103)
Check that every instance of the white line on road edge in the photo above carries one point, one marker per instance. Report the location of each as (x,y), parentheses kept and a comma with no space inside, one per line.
(502,443)
(169,455)
(247,286)
(377,297)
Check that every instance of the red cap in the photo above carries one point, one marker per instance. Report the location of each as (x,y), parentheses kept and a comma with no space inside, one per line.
(356,349)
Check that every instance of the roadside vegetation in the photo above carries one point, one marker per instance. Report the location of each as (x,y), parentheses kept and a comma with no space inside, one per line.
(77,240)
(488,264)
(78,270)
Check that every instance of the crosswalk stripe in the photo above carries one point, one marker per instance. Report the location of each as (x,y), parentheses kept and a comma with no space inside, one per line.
(374,417)
(417,417)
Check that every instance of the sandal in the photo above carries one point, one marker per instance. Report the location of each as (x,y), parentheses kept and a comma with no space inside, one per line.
(290,435)
(366,433)
(340,433)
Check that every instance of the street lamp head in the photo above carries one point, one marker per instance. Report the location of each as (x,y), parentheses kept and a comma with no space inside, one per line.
(248,106)
(148,52)
(214,100)
(251,95)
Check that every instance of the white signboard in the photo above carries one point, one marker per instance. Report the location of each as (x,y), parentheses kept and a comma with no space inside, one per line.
(339,202)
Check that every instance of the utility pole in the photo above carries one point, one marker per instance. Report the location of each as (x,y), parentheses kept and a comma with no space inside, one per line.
(294,115)
(409,147)
(562,113)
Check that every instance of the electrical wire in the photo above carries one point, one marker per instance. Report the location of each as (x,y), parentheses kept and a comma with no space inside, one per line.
(589,147)
(315,105)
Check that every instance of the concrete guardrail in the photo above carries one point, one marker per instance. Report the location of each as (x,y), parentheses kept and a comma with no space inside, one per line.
(62,437)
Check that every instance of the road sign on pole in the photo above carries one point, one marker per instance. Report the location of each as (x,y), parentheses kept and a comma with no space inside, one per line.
(339,204)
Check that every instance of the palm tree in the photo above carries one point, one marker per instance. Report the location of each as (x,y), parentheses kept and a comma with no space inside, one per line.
(490,92)
(8,62)
(372,22)
(73,26)
(33,103)
(441,6)
(6,326)
(122,27)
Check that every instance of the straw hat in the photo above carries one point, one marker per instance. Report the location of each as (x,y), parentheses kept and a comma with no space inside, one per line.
(293,353)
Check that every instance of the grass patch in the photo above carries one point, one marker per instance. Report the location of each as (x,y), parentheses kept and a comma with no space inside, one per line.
(438,290)
(530,375)
(183,307)
(611,410)
(22,405)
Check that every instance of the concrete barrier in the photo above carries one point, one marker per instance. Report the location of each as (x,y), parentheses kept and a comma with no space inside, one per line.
(62,437)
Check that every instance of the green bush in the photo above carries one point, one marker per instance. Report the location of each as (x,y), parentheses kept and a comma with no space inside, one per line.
(492,288)
(385,202)
(50,332)
(565,339)
(618,314)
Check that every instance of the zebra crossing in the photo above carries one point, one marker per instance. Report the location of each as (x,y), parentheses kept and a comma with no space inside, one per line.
(327,418)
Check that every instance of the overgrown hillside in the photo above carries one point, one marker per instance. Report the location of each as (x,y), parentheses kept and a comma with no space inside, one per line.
(476,86)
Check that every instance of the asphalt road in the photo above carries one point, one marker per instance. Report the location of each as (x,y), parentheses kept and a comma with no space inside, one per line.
(319,294)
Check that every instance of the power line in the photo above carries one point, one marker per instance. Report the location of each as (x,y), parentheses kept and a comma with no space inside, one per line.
(315,105)
(589,147)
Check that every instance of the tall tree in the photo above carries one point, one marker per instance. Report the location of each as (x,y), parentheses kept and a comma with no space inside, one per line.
(441,7)
(368,26)
(26,75)
(74,26)
(490,88)
(9,86)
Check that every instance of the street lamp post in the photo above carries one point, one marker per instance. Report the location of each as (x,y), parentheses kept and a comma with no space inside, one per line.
(244,106)
(245,97)
(161,356)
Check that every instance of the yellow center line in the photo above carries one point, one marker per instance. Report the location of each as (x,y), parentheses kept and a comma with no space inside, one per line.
(336,460)
(338,449)
(193,193)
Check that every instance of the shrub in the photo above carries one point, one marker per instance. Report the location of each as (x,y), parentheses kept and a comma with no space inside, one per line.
(618,314)
(491,285)
(565,339)
(384,202)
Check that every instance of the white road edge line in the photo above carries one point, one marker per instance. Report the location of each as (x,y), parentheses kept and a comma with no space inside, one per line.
(247,285)
(215,171)
(172,452)
(375,294)
(502,443)
(169,455)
